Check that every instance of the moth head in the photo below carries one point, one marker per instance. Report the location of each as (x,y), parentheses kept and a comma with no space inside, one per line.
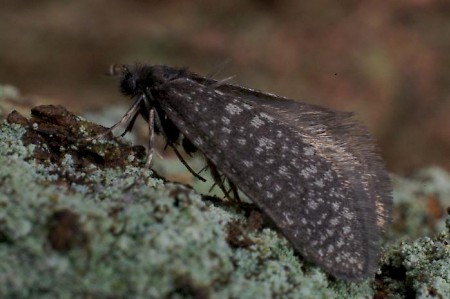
(138,79)
(131,81)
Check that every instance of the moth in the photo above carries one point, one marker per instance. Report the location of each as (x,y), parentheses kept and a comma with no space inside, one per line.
(313,171)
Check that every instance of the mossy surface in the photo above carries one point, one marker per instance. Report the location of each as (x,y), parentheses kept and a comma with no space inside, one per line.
(83,220)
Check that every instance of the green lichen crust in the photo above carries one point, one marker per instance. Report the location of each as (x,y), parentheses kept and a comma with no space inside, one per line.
(82,225)
(419,269)
(416,263)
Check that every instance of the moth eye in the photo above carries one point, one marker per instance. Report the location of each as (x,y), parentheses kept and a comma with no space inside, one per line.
(128,85)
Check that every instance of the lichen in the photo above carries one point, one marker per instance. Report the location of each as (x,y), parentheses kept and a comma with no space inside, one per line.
(96,230)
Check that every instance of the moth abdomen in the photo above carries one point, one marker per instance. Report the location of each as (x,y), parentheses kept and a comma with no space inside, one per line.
(312,170)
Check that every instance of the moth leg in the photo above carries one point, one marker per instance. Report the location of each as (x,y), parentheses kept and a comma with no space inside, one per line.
(166,146)
(217,179)
(131,114)
(185,163)
(151,136)
(177,153)
(234,189)
(151,133)
(220,180)
(130,125)
(204,168)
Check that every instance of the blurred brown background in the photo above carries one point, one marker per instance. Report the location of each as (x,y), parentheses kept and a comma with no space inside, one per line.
(386,60)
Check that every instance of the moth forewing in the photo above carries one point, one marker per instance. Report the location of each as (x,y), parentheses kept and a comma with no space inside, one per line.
(344,130)
(293,173)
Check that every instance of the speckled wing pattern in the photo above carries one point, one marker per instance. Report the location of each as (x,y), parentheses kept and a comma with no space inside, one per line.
(313,171)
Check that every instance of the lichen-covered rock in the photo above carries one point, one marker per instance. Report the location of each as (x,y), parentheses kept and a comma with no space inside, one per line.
(417,260)
(84,220)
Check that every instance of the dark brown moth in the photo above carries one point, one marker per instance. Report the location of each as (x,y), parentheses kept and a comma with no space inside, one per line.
(314,171)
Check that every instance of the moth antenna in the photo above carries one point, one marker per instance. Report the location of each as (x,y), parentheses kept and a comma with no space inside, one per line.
(221,82)
(219,68)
